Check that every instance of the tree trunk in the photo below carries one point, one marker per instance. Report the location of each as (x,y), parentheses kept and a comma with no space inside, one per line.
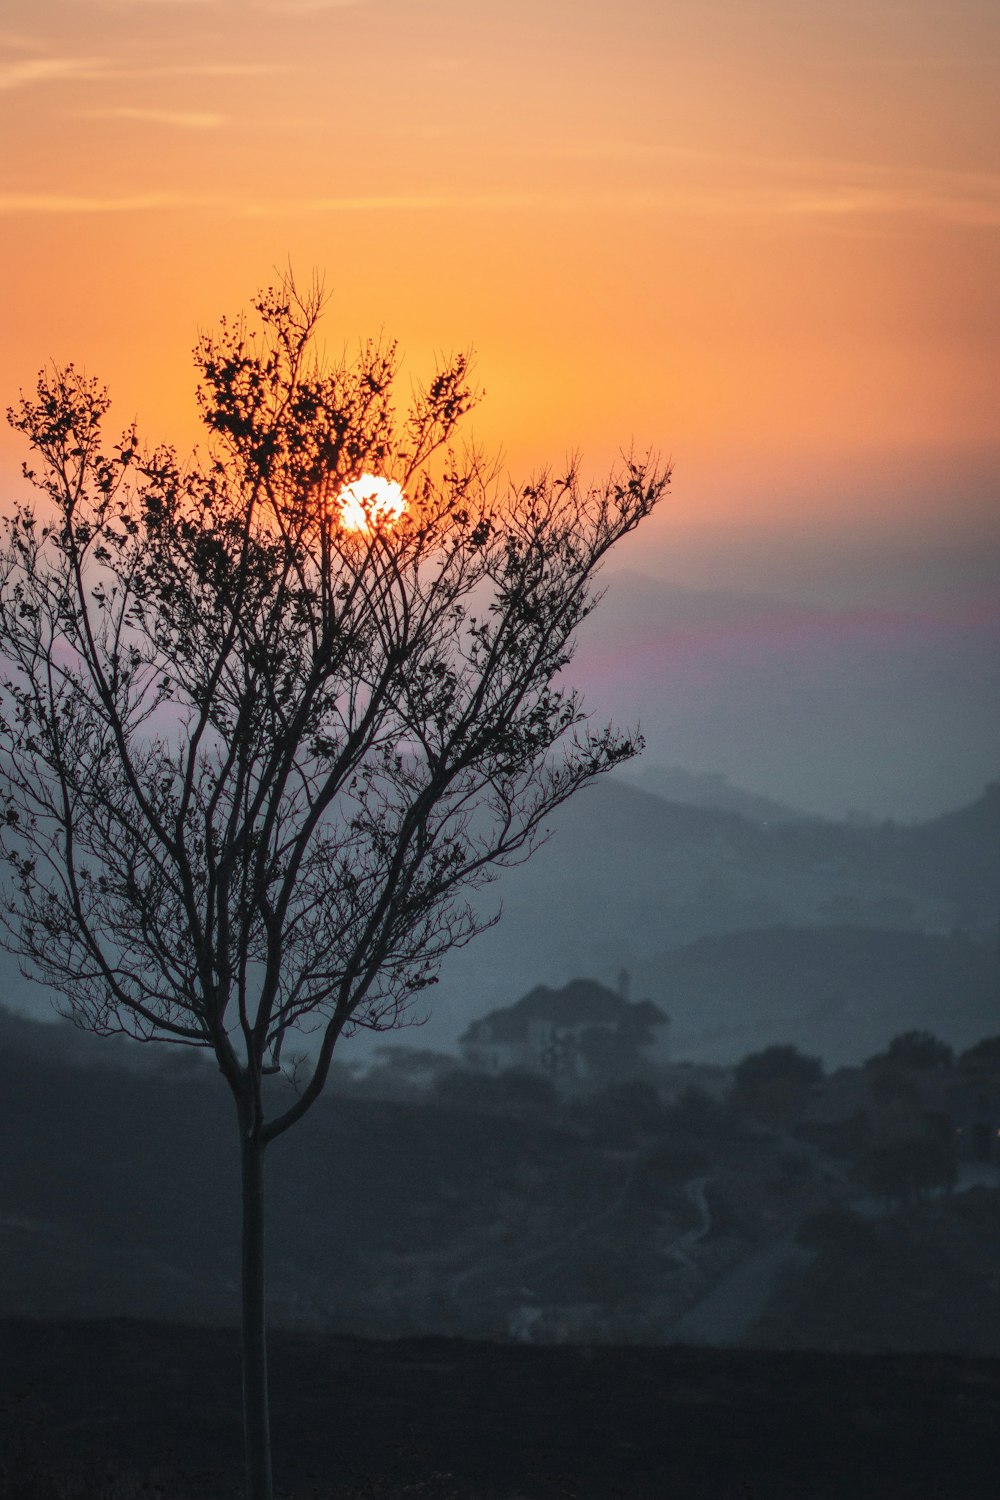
(256,1418)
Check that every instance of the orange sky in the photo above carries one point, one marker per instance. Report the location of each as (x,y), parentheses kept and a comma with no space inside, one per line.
(762,237)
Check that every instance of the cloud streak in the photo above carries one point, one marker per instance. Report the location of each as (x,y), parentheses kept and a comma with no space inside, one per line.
(157,4)
(81,203)
(176,119)
(277,7)
(306,7)
(38,70)
(965,200)
(971,205)
(29,72)
(760,187)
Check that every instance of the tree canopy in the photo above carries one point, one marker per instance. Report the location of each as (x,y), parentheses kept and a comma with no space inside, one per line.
(914,1049)
(255,758)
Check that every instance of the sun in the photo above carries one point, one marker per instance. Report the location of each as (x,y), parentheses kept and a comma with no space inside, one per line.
(370,502)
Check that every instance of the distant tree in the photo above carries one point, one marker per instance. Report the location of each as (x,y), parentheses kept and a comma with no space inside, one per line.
(773,1085)
(985,1051)
(907,1168)
(260,739)
(915,1049)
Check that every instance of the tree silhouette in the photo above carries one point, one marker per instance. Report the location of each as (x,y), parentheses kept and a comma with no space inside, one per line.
(774,1084)
(915,1049)
(255,758)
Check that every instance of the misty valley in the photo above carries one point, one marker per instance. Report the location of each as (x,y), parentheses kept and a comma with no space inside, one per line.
(753,1145)
(747,927)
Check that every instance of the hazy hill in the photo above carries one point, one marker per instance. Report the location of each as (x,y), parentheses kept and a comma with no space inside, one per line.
(119,1196)
(628,876)
(488,1211)
(707,789)
(958,853)
(890,712)
(838,992)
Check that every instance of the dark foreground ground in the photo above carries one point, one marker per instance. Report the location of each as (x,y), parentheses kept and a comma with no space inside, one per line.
(157,1408)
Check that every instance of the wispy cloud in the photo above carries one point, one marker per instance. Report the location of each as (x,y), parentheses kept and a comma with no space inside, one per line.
(30,71)
(833,204)
(954,204)
(305,7)
(34,70)
(845,203)
(852,202)
(176,119)
(213,70)
(82,203)
(417,203)
(380,204)
(280,7)
(691,181)
(161,4)
(870,191)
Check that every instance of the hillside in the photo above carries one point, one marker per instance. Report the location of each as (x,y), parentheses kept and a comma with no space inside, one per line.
(895,712)
(706,789)
(486,1210)
(627,877)
(452,1216)
(838,992)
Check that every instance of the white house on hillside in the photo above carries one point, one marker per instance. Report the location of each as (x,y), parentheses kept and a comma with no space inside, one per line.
(582,1035)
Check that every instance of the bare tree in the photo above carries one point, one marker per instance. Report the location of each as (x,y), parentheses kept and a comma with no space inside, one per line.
(257,750)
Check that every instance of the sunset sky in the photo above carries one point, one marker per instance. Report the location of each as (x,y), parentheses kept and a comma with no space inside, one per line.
(763,238)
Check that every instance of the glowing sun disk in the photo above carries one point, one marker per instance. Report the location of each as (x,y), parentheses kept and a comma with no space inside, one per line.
(370,502)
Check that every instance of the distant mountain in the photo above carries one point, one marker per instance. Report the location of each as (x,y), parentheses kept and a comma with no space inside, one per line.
(963,848)
(55,1040)
(708,789)
(627,877)
(892,712)
(839,992)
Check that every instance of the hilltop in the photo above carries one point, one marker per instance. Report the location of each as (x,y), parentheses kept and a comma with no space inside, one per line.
(629,878)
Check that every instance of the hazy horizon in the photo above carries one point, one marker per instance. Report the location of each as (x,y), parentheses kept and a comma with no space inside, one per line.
(759,240)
